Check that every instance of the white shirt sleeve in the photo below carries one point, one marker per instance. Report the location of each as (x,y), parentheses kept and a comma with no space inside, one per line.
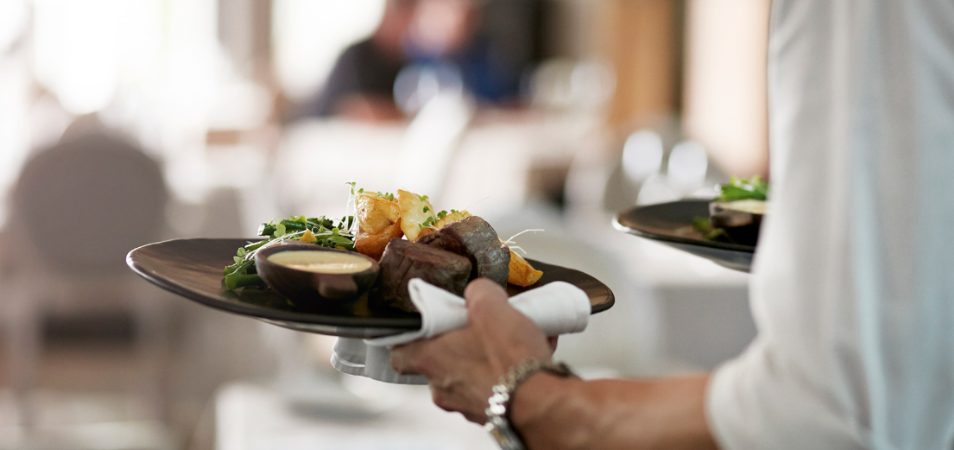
(853,283)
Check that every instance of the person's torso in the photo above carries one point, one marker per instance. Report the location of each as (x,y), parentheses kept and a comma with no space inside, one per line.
(854,277)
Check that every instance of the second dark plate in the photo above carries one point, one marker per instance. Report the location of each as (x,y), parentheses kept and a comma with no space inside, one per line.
(671,224)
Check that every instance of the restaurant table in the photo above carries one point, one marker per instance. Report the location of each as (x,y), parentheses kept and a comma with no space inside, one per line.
(703,311)
(250,416)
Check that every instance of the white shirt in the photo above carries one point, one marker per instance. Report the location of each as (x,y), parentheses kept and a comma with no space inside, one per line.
(853,282)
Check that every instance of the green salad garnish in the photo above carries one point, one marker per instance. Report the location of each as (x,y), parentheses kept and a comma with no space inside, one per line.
(321,231)
(710,232)
(754,188)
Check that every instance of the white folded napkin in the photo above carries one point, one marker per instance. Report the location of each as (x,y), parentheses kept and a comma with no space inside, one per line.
(557,308)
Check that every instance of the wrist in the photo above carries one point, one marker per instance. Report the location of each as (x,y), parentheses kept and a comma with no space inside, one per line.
(543,400)
(500,404)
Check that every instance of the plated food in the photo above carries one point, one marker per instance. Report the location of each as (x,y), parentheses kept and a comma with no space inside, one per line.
(735,216)
(192,269)
(672,224)
(402,234)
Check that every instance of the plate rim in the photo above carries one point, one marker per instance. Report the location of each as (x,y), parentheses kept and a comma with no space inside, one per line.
(246,310)
(399,324)
(618,225)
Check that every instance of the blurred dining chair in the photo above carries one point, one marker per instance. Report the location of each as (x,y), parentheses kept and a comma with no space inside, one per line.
(78,207)
(317,158)
(431,144)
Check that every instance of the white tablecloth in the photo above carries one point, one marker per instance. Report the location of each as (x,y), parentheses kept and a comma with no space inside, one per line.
(254,417)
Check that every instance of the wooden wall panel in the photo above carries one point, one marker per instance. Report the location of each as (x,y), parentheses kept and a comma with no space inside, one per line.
(642,40)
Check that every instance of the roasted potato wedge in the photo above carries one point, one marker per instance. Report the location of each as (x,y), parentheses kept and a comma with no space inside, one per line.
(415,211)
(451,217)
(521,272)
(378,219)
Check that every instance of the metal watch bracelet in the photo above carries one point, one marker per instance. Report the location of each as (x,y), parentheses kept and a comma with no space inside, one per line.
(498,405)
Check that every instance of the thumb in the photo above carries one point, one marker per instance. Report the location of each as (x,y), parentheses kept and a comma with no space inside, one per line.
(483,297)
(506,334)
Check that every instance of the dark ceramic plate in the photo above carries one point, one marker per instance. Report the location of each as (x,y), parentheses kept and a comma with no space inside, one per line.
(192,268)
(671,224)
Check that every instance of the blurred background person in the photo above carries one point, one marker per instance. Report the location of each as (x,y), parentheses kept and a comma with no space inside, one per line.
(449,38)
(361,83)
(419,48)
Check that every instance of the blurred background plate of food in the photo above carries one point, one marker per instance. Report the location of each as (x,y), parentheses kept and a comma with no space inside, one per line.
(724,230)
(671,224)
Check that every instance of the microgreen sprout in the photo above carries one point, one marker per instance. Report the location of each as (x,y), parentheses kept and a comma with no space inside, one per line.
(512,243)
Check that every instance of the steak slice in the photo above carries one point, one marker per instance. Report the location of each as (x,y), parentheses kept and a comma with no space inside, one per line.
(474,238)
(404,260)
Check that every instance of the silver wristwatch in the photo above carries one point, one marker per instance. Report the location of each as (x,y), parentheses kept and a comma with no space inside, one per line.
(498,405)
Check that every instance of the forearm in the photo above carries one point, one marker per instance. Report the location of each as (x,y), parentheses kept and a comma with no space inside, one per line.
(559,413)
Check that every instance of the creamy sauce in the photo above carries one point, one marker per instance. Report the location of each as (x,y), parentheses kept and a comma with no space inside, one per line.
(321,261)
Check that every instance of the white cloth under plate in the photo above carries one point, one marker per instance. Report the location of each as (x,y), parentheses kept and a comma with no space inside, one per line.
(557,308)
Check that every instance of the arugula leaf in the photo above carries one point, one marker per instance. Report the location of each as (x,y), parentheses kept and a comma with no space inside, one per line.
(327,232)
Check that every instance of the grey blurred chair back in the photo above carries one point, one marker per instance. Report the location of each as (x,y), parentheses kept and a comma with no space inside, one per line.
(85,202)
(78,207)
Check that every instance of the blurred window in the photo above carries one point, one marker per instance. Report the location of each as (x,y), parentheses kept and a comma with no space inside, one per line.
(13,125)
(148,66)
(81,47)
(13,16)
(309,35)
(14,88)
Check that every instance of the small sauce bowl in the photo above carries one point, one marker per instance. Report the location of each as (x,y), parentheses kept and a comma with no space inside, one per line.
(309,272)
